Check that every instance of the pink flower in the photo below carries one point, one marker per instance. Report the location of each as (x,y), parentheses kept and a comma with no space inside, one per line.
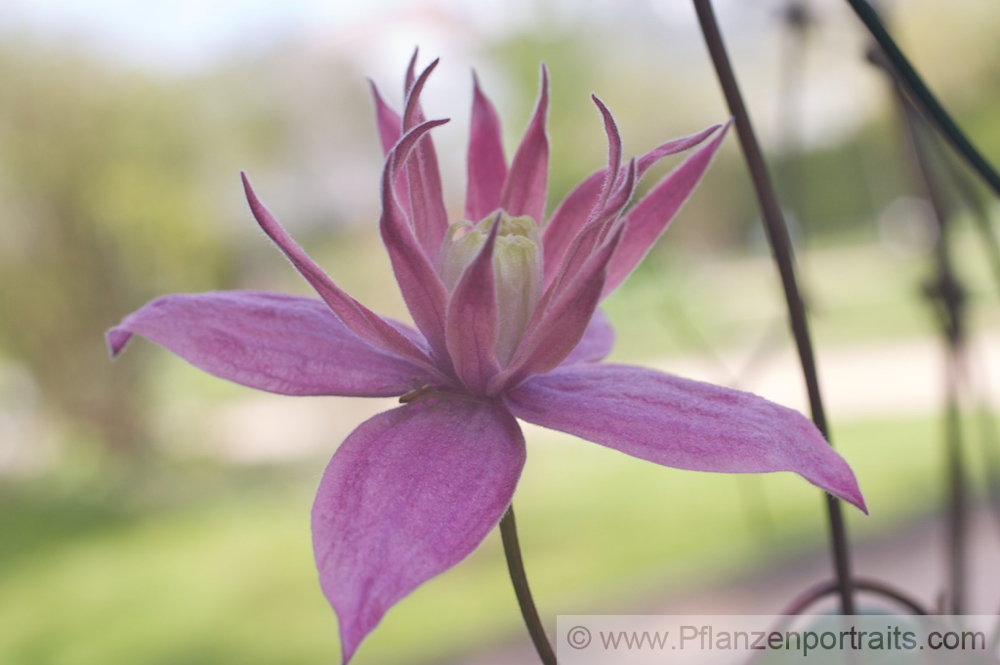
(507,327)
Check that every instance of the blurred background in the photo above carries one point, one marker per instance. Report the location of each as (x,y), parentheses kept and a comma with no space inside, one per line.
(152,514)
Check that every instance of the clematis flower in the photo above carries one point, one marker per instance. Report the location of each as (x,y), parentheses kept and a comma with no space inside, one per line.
(507,326)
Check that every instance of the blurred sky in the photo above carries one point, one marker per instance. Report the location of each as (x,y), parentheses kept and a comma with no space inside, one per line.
(186,34)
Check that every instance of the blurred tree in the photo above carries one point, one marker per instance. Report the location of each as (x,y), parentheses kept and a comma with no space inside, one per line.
(101,208)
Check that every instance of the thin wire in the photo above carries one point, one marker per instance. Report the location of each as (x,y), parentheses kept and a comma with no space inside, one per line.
(781,247)
(923,98)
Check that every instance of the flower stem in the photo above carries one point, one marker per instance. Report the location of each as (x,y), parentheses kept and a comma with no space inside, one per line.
(515,564)
(781,246)
(947,297)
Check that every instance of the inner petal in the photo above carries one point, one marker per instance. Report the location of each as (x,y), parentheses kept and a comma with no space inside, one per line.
(517,265)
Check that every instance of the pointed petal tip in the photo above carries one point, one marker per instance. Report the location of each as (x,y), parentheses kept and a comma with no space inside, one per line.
(375,543)
(247,189)
(834,475)
(116,339)
(852,495)
(260,213)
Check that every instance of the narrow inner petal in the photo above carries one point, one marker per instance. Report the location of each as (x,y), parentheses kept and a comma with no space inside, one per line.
(517,265)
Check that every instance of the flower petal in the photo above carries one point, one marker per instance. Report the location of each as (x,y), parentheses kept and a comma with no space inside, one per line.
(597,341)
(361,320)
(604,220)
(473,330)
(278,343)
(527,182)
(390,129)
(430,218)
(487,167)
(559,321)
(419,282)
(614,148)
(570,217)
(672,147)
(650,216)
(682,423)
(390,125)
(575,210)
(409,494)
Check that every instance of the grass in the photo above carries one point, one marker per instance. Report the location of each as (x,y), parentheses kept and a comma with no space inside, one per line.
(218,569)
(213,565)
(682,302)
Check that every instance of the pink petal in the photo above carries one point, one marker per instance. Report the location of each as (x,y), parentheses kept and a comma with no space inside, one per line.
(430,218)
(614,148)
(411,72)
(617,198)
(603,221)
(575,210)
(282,344)
(559,321)
(650,216)
(419,282)
(472,319)
(390,125)
(408,495)
(673,147)
(359,319)
(568,220)
(597,341)
(527,182)
(682,423)
(390,129)
(486,163)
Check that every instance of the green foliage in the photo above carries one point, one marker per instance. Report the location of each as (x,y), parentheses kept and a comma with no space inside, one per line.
(101,190)
(215,566)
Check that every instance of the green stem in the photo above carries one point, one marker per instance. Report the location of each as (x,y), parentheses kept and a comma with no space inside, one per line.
(515,564)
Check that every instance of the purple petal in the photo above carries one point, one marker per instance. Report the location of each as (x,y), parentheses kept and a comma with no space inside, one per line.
(472,319)
(650,216)
(568,220)
(278,343)
(430,218)
(559,320)
(419,282)
(362,322)
(411,72)
(486,163)
(682,423)
(597,341)
(527,182)
(390,129)
(390,125)
(603,222)
(614,148)
(673,147)
(409,494)
(575,210)
(617,198)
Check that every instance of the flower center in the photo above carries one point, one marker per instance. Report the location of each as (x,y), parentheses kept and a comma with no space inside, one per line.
(517,269)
